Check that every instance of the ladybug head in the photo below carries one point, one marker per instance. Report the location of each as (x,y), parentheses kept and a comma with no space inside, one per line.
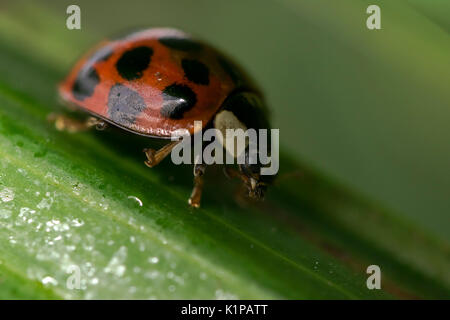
(255,183)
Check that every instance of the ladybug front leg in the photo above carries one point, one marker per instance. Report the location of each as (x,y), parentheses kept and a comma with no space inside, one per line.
(156,156)
(196,195)
(66,123)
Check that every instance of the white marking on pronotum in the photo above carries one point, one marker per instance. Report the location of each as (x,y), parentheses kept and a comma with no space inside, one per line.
(137,199)
(225,120)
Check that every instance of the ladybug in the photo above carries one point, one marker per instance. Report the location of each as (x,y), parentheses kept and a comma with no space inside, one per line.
(156,81)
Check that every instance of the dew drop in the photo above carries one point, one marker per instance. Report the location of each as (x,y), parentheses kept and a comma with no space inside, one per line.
(5,213)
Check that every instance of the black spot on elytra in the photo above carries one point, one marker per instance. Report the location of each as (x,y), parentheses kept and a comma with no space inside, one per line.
(195,71)
(178,99)
(133,62)
(232,70)
(85,83)
(124,105)
(183,44)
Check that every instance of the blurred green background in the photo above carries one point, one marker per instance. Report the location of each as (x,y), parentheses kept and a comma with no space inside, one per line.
(371,108)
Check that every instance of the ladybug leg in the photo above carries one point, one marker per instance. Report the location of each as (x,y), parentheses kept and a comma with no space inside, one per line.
(65,123)
(196,195)
(156,156)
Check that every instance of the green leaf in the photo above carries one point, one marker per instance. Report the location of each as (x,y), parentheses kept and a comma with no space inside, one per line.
(87,200)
